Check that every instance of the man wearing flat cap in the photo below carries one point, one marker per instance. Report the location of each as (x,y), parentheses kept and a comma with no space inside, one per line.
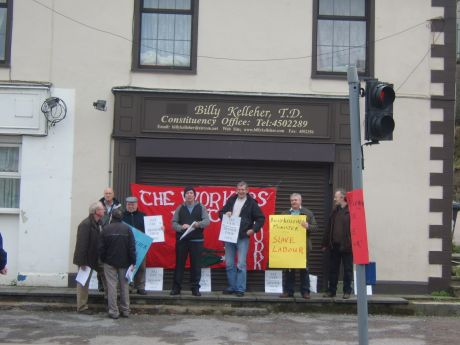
(135,218)
(190,214)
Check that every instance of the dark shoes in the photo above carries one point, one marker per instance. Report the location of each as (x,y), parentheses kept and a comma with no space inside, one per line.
(329,294)
(112,316)
(141,292)
(306,295)
(174,292)
(286,295)
(86,312)
(346,296)
(229,292)
(196,293)
(125,315)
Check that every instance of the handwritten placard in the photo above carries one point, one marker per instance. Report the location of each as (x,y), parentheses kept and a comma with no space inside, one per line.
(273,281)
(154,279)
(358,227)
(205,281)
(288,242)
(229,229)
(154,228)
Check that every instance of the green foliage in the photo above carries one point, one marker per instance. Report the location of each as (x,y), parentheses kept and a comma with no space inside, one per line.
(456,189)
(456,271)
(455,248)
(442,293)
(457,149)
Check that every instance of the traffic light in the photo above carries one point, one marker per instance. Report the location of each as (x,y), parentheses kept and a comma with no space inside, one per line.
(379,111)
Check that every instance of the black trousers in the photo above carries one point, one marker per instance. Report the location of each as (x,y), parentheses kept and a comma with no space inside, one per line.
(289,280)
(183,250)
(336,257)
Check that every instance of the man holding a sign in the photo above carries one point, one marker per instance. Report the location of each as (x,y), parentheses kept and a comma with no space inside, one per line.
(310,226)
(252,219)
(189,221)
(135,218)
(86,255)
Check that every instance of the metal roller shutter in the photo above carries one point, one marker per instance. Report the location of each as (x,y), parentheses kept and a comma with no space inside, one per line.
(310,180)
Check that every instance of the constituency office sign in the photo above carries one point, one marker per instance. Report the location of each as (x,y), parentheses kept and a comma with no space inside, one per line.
(289,119)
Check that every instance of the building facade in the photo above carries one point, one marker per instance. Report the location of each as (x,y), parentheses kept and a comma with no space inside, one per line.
(212,92)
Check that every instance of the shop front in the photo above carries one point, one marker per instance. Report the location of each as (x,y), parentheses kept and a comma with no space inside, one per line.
(294,144)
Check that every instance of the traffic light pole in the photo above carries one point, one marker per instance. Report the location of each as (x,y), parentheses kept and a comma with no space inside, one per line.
(357,177)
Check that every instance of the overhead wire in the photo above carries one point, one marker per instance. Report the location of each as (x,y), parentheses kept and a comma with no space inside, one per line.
(91,27)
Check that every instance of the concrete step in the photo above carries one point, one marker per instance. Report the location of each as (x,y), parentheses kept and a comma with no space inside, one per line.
(215,303)
(254,303)
(140,309)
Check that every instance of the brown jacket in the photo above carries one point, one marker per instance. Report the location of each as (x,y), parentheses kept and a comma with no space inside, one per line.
(345,245)
(87,246)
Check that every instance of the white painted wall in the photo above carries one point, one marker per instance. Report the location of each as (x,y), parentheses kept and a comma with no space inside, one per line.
(46,185)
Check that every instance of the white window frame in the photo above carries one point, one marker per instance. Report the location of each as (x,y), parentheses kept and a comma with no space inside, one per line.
(12,175)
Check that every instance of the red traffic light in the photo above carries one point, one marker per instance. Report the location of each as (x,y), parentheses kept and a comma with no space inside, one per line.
(382,95)
(379,122)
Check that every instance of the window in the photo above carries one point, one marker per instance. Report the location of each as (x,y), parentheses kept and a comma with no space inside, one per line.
(342,33)
(9,176)
(165,36)
(6,11)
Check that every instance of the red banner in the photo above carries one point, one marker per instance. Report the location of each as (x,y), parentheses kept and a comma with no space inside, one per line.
(358,229)
(163,200)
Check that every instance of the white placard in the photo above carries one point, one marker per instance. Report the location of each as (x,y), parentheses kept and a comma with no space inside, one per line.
(274,281)
(93,282)
(313,283)
(189,230)
(205,281)
(229,229)
(154,279)
(368,287)
(154,228)
(83,275)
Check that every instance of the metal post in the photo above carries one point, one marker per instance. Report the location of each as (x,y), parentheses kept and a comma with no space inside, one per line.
(357,177)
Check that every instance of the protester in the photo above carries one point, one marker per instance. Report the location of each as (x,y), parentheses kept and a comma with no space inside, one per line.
(135,218)
(252,219)
(86,252)
(110,203)
(337,239)
(118,253)
(310,226)
(3,257)
(191,214)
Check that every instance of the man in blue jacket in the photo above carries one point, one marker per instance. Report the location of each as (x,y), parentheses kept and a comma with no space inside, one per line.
(252,219)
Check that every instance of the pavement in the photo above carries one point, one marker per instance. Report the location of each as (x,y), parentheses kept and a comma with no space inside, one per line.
(215,303)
